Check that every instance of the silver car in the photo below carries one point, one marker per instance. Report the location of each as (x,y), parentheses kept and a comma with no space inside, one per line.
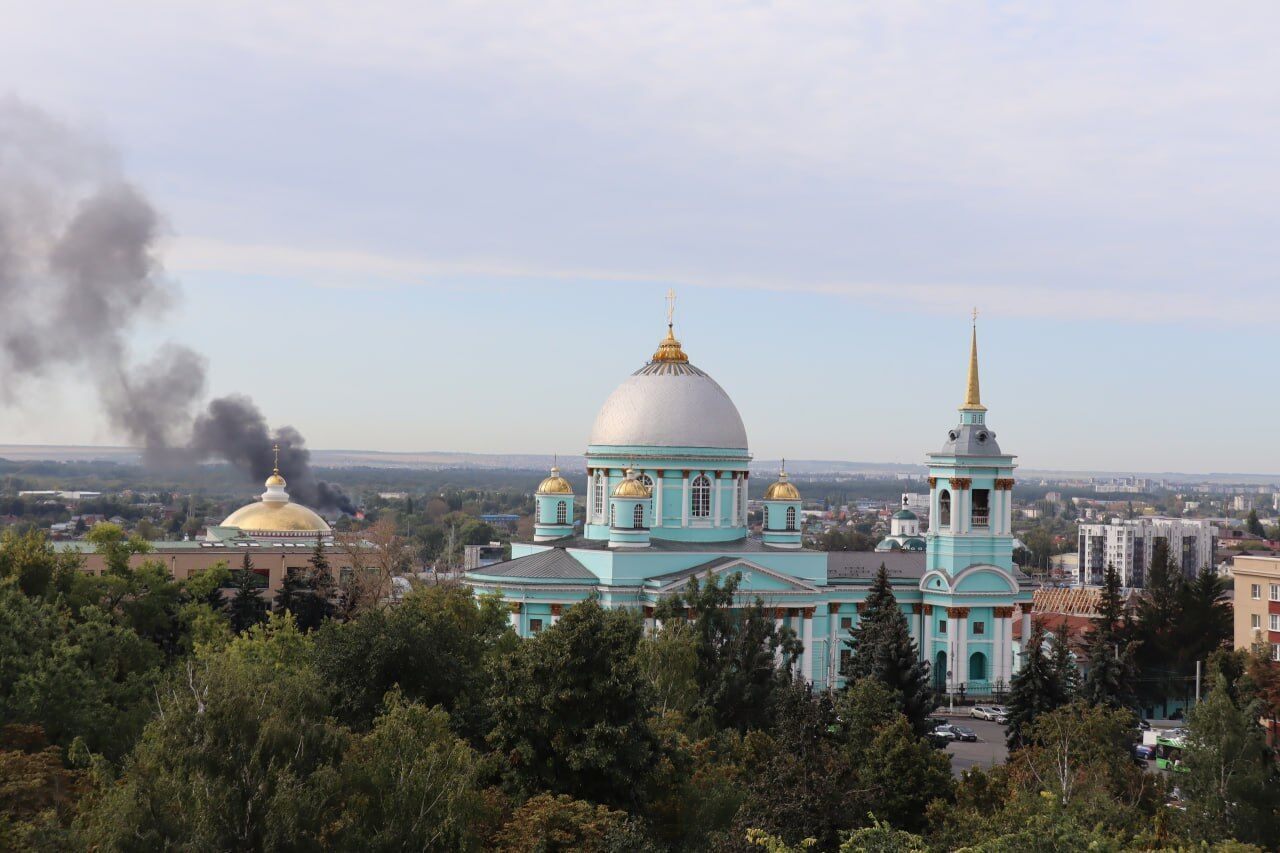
(984,712)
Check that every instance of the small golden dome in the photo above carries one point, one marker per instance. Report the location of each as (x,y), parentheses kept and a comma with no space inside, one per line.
(669,349)
(555,484)
(275,479)
(631,487)
(782,490)
(276,517)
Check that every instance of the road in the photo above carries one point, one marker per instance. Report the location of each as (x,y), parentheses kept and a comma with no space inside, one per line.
(987,751)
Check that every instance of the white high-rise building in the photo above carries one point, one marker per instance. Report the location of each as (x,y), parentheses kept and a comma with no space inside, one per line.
(1128,544)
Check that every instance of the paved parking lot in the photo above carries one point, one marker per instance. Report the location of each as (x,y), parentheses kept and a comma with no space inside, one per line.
(987,751)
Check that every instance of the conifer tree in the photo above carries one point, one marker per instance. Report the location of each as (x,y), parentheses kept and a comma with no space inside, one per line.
(884,650)
(1112,670)
(247,607)
(308,593)
(1037,688)
(1065,672)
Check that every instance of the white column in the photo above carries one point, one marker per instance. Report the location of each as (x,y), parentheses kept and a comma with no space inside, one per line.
(1006,649)
(684,500)
(807,660)
(778,623)
(961,500)
(657,499)
(734,505)
(833,647)
(962,650)
(515,620)
(715,486)
(926,650)
(591,496)
(1026,625)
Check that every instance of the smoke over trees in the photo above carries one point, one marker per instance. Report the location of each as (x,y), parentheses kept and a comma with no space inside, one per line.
(78,270)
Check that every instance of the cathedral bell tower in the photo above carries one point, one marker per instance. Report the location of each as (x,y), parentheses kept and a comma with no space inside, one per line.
(970,489)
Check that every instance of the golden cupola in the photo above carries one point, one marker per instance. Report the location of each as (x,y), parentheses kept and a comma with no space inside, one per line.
(555,484)
(631,487)
(274,514)
(782,489)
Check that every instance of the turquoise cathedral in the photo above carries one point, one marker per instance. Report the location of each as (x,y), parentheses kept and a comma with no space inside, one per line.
(665,499)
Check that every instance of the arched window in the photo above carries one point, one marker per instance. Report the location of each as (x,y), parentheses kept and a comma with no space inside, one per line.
(944,509)
(648,482)
(562,512)
(637,517)
(613,514)
(977,667)
(791,518)
(701,507)
(599,495)
(940,672)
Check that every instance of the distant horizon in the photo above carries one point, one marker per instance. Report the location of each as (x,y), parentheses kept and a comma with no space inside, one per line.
(323,457)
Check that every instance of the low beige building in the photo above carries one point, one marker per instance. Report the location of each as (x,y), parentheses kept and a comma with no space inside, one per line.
(277,534)
(1257,602)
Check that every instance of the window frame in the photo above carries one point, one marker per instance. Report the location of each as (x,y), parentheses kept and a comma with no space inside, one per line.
(562,512)
(637,517)
(791,519)
(700,497)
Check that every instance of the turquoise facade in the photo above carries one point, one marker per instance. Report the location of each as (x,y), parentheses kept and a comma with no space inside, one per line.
(959,595)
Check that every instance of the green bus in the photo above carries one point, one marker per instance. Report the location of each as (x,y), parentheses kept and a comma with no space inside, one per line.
(1169,754)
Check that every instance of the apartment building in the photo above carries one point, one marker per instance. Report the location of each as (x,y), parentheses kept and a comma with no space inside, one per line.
(1257,603)
(1128,544)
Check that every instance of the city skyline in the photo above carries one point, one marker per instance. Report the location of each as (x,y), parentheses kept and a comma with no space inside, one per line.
(408,229)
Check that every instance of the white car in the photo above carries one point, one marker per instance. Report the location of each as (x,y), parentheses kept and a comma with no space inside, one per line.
(984,712)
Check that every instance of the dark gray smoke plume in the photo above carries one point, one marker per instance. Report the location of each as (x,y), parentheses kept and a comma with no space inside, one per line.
(78,269)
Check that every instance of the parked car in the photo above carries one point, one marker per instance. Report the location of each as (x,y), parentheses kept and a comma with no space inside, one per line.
(964,733)
(983,712)
(1144,752)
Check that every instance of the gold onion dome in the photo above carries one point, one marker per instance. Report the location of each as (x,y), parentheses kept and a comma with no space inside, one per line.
(630,487)
(555,484)
(782,490)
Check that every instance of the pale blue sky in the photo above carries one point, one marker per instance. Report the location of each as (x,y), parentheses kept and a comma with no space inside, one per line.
(429,199)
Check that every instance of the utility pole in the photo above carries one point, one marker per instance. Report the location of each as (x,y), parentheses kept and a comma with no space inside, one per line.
(1197,682)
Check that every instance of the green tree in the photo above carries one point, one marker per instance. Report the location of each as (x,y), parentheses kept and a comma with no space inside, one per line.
(1112,670)
(1036,688)
(89,678)
(246,607)
(116,548)
(409,784)
(883,649)
(308,593)
(433,646)
(228,762)
(1065,671)
(1253,525)
(742,656)
(548,823)
(1232,788)
(30,559)
(569,712)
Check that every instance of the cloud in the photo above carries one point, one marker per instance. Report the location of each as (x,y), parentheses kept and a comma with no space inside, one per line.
(361,270)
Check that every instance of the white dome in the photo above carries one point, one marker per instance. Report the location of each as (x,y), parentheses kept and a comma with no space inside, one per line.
(669,404)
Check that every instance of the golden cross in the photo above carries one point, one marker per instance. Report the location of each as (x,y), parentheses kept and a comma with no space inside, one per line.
(671,305)
(275,448)
(975,315)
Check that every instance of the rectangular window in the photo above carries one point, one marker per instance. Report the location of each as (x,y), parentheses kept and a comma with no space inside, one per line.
(1255,590)
(979,628)
(1275,651)
(942,626)
(1275,621)
(846,622)
(535,625)
(1275,592)
(845,656)
(1255,621)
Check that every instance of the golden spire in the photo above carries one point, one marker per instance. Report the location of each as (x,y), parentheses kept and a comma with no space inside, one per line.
(669,349)
(973,395)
